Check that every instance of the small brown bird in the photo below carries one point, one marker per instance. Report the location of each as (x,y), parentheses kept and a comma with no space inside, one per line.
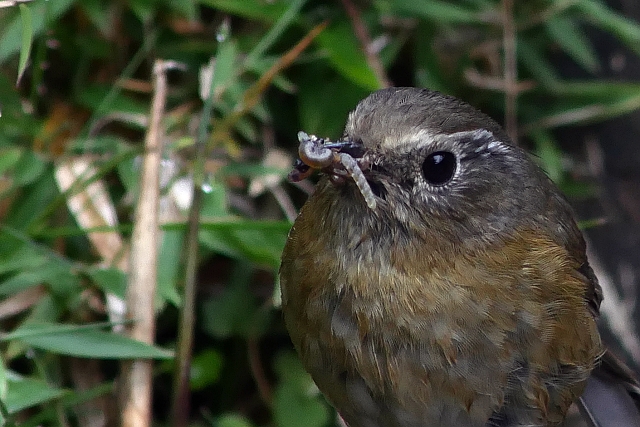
(437,277)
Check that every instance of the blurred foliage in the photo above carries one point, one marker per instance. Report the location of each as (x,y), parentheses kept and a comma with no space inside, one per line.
(75,89)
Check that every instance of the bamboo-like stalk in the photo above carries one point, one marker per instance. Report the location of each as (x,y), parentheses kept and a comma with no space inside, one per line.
(136,375)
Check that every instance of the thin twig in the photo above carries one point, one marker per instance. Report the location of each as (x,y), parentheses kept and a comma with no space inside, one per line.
(364,38)
(181,396)
(136,375)
(482,81)
(255,364)
(510,71)
(285,202)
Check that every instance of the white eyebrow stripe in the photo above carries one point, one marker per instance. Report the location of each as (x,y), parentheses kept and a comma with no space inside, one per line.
(422,137)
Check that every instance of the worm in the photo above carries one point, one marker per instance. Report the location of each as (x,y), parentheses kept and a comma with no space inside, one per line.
(315,155)
(351,165)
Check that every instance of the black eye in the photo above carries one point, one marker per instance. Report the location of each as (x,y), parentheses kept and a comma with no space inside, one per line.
(439,167)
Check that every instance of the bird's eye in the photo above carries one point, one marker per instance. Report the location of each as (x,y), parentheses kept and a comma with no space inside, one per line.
(439,167)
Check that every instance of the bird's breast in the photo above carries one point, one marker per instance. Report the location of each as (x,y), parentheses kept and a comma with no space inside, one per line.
(392,328)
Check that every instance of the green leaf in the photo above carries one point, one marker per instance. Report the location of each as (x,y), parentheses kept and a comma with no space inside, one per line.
(326,113)
(584,102)
(168,267)
(434,10)
(533,58)
(226,67)
(27,39)
(549,155)
(100,16)
(275,31)
(9,156)
(62,280)
(26,257)
(297,400)
(110,280)
(29,168)
(93,97)
(34,200)
(206,367)
(599,14)
(25,393)
(214,201)
(81,341)
(346,55)
(573,41)
(232,313)
(428,73)
(258,241)
(40,11)
(232,420)
(3,383)
(267,11)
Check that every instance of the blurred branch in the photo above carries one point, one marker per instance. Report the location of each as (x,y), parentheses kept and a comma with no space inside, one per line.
(136,375)
(257,371)
(363,36)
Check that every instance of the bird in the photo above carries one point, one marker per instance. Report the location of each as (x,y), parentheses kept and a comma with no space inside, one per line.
(437,276)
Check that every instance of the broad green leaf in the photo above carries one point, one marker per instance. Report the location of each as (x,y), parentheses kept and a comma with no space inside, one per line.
(129,174)
(29,168)
(206,368)
(232,420)
(169,267)
(257,241)
(111,280)
(214,201)
(297,400)
(57,274)
(83,342)
(27,257)
(326,114)
(9,156)
(25,393)
(233,312)
(35,199)
(345,53)
(94,96)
